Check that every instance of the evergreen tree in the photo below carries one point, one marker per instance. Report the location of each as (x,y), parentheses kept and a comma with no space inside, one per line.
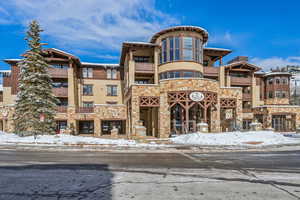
(35,104)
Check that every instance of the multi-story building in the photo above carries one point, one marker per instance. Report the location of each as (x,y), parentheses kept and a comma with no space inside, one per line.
(294,83)
(167,85)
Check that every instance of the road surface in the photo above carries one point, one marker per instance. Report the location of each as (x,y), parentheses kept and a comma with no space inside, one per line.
(99,175)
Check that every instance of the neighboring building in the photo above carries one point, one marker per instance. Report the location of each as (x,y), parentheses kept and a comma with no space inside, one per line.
(294,84)
(168,85)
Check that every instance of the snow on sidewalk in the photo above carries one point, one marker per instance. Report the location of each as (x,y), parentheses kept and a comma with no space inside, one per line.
(62,139)
(259,138)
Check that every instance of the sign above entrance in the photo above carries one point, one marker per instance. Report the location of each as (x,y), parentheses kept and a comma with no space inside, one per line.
(196,96)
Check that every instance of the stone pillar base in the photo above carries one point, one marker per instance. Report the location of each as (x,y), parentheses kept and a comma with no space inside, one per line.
(202,127)
(114,132)
(255,126)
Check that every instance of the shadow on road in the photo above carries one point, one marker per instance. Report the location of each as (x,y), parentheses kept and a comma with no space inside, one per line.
(56,181)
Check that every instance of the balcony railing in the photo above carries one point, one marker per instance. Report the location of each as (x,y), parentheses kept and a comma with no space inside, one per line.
(85,109)
(241,80)
(61,109)
(144,67)
(60,92)
(58,73)
(247,110)
(211,71)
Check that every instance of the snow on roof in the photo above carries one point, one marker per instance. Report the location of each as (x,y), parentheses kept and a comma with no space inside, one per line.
(141,43)
(5,71)
(100,64)
(62,51)
(216,49)
(277,73)
(12,60)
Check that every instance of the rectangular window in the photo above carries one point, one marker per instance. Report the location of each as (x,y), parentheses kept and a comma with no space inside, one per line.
(88,104)
(111,73)
(171,43)
(164,50)
(107,126)
(177,48)
(143,59)
(187,48)
(278,94)
(112,90)
(270,81)
(59,66)
(86,127)
(188,74)
(87,72)
(88,90)
(270,95)
(284,81)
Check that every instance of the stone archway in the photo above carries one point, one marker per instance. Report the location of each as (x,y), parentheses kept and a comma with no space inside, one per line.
(188,111)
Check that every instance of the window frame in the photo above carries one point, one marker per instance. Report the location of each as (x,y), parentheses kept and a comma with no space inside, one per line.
(83,90)
(110,90)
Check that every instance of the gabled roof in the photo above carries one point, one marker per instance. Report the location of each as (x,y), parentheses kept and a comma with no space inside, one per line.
(216,53)
(61,52)
(182,28)
(127,45)
(242,64)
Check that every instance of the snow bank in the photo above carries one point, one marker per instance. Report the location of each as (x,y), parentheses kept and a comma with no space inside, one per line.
(259,138)
(61,139)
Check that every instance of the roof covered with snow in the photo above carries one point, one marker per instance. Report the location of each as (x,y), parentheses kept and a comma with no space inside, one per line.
(182,28)
(99,64)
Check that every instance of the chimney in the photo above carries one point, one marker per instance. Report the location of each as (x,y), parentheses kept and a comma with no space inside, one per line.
(238,59)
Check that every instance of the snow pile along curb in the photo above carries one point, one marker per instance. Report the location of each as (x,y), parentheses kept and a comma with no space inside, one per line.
(62,139)
(259,138)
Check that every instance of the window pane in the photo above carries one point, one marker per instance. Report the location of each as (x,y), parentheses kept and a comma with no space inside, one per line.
(177,50)
(114,74)
(164,50)
(187,74)
(187,54)
(171,53)
(108,73)
(90,72)
(84,72)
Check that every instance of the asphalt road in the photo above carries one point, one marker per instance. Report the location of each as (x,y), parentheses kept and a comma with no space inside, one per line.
(99,175)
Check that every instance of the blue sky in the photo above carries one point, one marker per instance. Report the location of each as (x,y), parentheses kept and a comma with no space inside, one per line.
(266,31)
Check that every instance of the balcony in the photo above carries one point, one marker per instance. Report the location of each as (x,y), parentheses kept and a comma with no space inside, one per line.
(211,71)
(247,110)
(247,96)
(240,80)
(61,109)
(141,67)
(58,73)
(84,109)
(60,92)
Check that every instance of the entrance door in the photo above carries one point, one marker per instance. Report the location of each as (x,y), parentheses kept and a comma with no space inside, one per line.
(283,123)
(179,119)
(61,126)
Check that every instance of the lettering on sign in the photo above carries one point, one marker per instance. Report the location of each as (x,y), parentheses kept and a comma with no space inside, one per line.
(196,96)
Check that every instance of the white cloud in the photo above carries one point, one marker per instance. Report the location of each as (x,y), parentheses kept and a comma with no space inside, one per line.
(95,24)
(274,62)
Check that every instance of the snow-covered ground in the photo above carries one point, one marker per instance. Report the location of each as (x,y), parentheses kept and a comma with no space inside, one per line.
(258,138)
(62,139)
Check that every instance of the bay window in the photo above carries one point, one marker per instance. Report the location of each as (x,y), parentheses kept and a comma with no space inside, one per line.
(181,48)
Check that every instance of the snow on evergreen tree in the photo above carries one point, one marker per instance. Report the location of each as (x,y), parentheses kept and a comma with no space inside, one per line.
(35,103)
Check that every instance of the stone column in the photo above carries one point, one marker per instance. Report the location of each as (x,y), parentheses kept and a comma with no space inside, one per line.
(156,61)
(164,117)
(97,128)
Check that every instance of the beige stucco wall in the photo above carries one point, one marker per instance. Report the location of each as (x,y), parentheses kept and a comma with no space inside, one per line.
(100,91)
(180,65)
(8,98)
